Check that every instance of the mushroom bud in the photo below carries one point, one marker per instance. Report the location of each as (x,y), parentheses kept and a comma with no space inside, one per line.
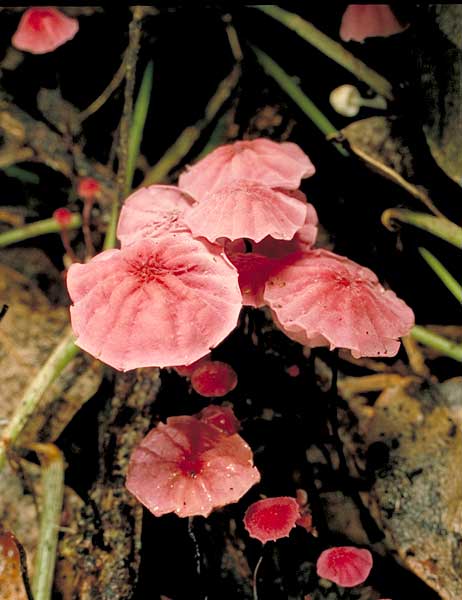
(347,101)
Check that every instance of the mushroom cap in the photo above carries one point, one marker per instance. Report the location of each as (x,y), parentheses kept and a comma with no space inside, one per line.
(153,211)
(222,417)
(189,467)
(42,29)
(346,100)
(361,21)
(272,518)
(345,565)
(188,370)
(320,298)
(213,379)
(246,209)
(270,163)
(157,302)
(88,188)
(63,216)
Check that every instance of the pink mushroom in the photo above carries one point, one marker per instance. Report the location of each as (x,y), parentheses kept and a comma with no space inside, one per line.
(42,29)
(269,163)
(346,566)
(88,188)
(319,298)
(62,216)
(361,21)
(157,302)
(246,209)
(272,518)
(153,211)
(189,467)
(222,417)
(213,379)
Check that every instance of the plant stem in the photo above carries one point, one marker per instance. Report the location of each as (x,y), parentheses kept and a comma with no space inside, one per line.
(449,281)
(330,48)
(105,94)
(21,174)
(52,481)
(140,113)
(59,358)
(288,85)
(437,342)
(440,227)
(191,134)
(130,61)
(32,230)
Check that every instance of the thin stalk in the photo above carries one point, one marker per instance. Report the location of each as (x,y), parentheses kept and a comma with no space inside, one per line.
(440,227)
(255,578)
(105,94)
(64,352)
(130,60)
(290,87)
(52,481)
(218,135)
(437,342)
(188,137)
(140,113)
(330,48)
(19,234)
(440,270)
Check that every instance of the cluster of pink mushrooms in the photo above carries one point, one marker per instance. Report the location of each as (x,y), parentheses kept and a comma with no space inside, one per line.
(236,231)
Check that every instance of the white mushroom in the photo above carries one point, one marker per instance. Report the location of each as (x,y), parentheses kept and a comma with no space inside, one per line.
(347,101)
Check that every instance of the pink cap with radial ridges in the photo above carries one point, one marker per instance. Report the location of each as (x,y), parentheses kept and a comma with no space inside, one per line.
(42,29)
(269,163)
(189,468)
(158,302)
(345,565)
(272,518)
(320,298)
(246,209)
(153,211)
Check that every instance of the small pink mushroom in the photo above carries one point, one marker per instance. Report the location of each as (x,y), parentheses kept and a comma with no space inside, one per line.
(361,21)
(62,216)
(214,379)
(42,29)
(221,417)
(272,518)
(346,566)
(88,188)
(189,468)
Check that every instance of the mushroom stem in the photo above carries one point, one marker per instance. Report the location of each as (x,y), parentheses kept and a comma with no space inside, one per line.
(197,550)
(255,576)
(86,218)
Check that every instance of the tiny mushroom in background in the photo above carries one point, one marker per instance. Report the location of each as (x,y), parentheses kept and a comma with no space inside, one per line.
(188,370)
(272,518)
(346,566)
(213,379)
(361,21)
(189,467)
(347,101)
(88,188)
(62,216)
(42,29)
(221,417)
